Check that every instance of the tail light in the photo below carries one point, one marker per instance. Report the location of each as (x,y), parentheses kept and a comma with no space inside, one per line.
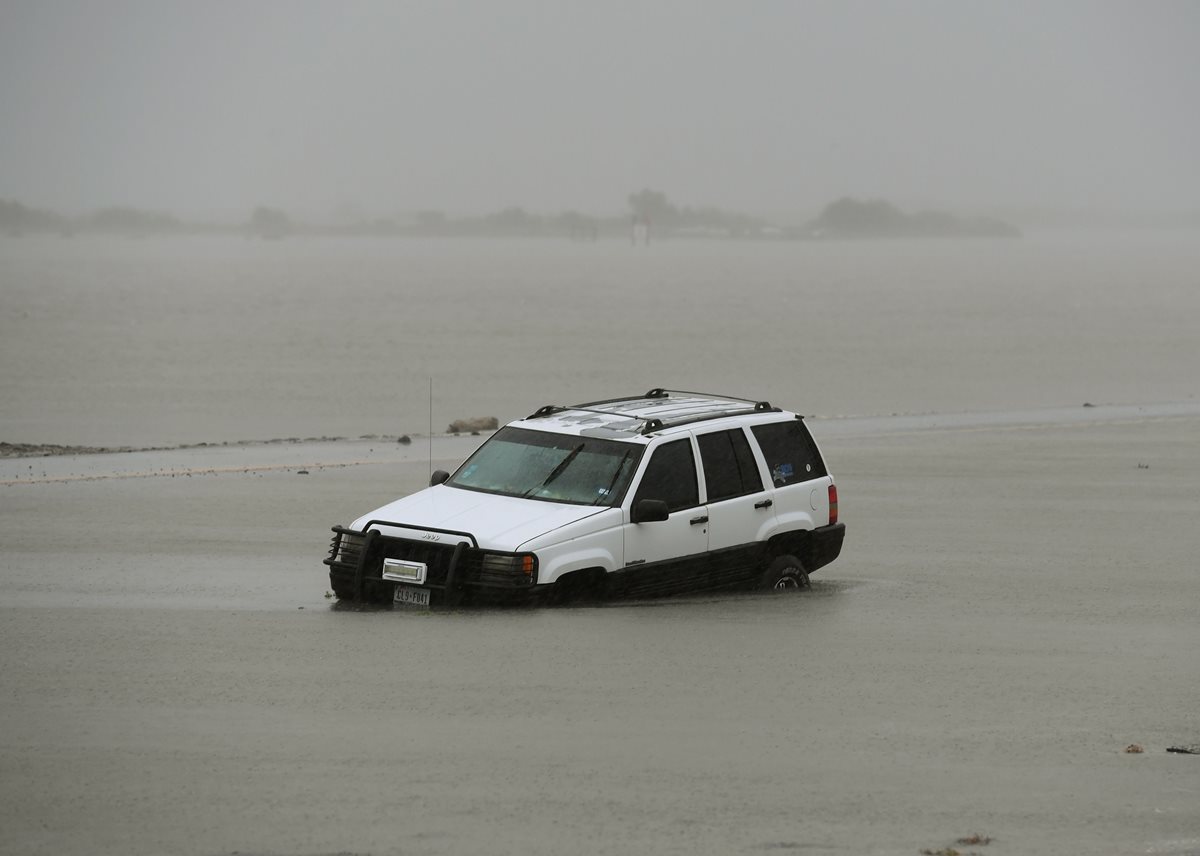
(832,504)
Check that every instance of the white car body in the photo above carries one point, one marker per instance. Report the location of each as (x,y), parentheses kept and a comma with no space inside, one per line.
(756,491)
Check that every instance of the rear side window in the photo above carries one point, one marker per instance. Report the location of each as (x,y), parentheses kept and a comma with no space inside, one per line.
(791,454)
(729,466)
(671,477)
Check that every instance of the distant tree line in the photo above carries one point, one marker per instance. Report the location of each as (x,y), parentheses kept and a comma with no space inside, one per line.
(852,218)
(17,219)
(269,223)
(655,212)
(650,215)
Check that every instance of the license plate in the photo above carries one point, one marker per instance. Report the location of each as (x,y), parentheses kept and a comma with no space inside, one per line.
(409,596)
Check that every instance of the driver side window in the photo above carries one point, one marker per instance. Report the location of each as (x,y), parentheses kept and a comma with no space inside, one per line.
(671,477)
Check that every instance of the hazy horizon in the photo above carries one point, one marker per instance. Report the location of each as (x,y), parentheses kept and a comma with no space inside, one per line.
(207,110)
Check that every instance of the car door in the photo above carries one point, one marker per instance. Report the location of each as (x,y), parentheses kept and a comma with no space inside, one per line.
(659,554)
(739,507)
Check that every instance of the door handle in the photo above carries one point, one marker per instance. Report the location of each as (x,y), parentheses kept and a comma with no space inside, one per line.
(696,520)
(766,503)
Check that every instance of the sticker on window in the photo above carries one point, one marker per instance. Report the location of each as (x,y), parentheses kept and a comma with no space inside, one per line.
(782,473)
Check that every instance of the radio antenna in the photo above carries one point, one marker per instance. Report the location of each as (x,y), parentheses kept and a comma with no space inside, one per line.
(431,427)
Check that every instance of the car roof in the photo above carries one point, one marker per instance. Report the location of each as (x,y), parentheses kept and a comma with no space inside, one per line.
(657,411)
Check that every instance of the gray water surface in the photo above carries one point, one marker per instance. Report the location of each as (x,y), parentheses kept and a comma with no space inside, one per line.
(158,342)
(1014,606)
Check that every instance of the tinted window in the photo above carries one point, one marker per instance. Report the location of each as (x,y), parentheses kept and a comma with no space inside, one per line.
(790,452)
(671,477)
(729,466)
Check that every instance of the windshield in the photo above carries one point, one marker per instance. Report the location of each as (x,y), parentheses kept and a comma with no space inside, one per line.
(553,467)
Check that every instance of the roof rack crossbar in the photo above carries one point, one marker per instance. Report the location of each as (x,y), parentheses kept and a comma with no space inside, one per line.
(660,392)
(666,393)
(650,424)
(552,409)
(653,425)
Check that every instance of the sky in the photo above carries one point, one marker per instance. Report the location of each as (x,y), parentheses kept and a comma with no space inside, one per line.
(207,109)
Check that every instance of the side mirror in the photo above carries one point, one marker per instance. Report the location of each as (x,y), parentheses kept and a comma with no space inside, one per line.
(649,511)
(438,477)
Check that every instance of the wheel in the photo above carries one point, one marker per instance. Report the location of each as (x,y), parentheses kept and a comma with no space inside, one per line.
(576,587)
(785,574)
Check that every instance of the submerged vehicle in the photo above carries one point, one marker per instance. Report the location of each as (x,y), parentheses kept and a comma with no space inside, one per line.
(649,495)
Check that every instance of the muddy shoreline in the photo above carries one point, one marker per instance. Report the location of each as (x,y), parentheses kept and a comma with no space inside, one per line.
(49,450)
(1071,414)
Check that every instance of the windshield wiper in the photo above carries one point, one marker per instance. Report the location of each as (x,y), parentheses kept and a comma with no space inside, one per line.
(607,495)
(558,470)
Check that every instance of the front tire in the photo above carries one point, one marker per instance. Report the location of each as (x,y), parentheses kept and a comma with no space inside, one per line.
(578,587)
(784,574)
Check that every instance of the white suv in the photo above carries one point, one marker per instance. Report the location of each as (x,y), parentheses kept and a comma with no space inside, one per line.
(657,494)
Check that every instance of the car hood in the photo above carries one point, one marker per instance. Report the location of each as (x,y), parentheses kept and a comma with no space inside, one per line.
(497,522)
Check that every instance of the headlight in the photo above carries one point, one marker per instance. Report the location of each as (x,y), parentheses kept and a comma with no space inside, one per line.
(350,548)
(522,566)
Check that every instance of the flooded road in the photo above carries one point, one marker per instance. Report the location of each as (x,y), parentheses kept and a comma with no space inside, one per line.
(1014,606)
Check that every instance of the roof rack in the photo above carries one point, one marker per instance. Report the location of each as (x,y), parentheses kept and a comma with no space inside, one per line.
(659,392)
(652,424)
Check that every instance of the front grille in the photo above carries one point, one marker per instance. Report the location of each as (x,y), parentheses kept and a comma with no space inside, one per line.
(352,554)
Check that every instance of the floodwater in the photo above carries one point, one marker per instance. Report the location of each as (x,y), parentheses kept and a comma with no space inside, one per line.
(1014,607)
(148,342)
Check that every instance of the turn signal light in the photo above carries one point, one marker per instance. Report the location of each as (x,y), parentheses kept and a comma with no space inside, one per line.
(832,504)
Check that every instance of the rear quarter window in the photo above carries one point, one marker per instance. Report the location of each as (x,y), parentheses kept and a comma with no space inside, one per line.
(790,452)
(729,466)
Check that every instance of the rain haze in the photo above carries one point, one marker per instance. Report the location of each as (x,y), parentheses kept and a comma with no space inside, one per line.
(261,262)
(769,108)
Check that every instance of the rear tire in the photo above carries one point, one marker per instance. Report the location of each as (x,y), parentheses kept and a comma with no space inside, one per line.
(785,574)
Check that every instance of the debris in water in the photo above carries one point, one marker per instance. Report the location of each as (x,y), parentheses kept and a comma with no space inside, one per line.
(477,423)
(1143,466)
(1185,749)
(972,840)
(1134,749)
